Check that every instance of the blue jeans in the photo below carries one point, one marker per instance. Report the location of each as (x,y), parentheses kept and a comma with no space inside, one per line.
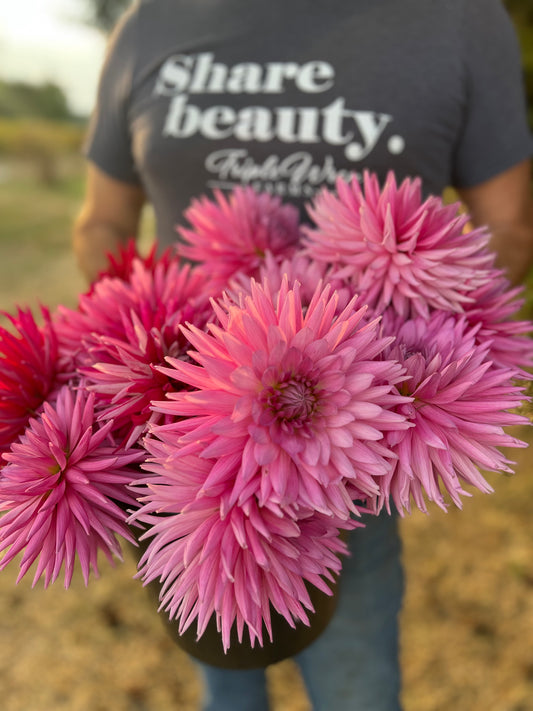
(354,664)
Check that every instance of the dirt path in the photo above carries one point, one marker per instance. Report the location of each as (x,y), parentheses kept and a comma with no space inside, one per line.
(467,625)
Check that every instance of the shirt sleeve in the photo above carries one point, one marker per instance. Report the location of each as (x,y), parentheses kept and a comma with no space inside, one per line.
(108,143)
(495,133)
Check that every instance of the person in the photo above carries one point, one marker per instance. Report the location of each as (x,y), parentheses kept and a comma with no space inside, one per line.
(286,96)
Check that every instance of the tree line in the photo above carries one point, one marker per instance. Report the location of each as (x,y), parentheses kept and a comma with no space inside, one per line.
(19,99)
(48,101)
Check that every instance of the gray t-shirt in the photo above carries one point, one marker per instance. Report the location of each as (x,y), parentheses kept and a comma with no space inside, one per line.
(287,94)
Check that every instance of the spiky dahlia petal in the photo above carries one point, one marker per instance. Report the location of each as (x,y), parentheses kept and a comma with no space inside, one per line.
(299,267)
(121,264)
(61,488)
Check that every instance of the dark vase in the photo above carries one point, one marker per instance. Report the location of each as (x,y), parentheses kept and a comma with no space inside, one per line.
(286,640)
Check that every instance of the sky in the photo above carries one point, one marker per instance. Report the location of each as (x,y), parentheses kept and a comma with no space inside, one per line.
(46,40)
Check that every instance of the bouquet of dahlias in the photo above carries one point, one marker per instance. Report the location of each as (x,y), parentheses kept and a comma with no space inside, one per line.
(241,412)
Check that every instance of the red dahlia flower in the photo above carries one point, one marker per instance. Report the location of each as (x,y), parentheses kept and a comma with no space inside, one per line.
(121,264)
(28,369)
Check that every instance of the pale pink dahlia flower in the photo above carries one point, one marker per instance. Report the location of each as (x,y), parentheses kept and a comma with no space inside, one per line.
(460,403)
(28,370)
(59,487)
(289,389)
(395,249)
(283,431)
(236,565)
(233,234)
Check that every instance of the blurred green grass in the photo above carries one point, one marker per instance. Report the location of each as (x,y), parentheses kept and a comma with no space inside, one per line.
(36,260)
(36,263)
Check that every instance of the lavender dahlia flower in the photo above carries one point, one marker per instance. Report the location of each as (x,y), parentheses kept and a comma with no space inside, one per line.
(460,403)
(494,308)
(299,267)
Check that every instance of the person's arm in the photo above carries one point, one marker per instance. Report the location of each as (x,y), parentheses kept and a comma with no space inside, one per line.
(504,203)
(109,217)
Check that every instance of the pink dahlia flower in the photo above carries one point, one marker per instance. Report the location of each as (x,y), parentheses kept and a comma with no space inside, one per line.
(460,404)
(233,234)
(160,297)
(122,369)
(394,249)
(28,370)
(283,430)
(308,272)
(494,309)
(59,488)
(125,376)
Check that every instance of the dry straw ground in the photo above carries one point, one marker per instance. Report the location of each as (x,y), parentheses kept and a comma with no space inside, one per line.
(467,625)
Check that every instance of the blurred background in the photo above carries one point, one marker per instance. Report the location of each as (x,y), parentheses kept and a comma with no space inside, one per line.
(467,625)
